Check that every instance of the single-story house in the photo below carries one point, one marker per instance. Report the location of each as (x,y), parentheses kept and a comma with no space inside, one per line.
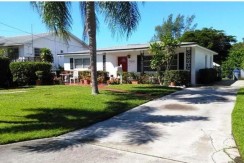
(27,47)
(136,58)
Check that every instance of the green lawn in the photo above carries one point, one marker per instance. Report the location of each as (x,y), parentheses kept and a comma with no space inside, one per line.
(238,122)
(47,111)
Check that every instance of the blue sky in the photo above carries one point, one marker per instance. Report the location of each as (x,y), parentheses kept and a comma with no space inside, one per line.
(227,16)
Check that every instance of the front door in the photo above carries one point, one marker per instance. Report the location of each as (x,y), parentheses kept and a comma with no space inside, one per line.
(181,61)
(123,61)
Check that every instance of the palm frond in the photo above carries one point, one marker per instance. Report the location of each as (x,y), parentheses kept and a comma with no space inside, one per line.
(56,16)
(121,17)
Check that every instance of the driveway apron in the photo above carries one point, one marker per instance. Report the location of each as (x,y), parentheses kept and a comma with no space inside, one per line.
(192,125)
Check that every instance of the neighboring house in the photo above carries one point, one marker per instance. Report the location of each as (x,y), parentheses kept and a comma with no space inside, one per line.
(27,47)
(136,58)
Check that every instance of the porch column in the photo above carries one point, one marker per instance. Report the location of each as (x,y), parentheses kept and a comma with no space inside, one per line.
(188,61)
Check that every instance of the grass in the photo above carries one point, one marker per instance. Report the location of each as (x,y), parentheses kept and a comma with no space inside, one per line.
(47,111)
(238,122)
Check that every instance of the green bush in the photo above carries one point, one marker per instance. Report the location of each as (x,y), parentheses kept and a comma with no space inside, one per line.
(84,74)
(5,73)
(102,76)
(24,73)
(180,77)
(46,55)
(127,77)
(207,76)
(148,79)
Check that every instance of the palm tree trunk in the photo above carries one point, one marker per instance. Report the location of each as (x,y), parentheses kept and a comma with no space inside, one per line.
(91,28)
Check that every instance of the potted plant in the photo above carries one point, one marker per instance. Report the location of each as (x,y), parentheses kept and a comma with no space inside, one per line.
(39,75)
(87,80)
(133,78)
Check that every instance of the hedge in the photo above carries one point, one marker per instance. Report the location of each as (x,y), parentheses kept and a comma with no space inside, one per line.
(180,77)
(5,73)
(207,76)
(24,73)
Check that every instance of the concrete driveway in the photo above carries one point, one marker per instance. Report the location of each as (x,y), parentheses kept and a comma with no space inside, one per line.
(192,125)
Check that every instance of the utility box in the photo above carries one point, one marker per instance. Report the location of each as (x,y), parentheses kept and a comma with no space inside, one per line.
(236,74)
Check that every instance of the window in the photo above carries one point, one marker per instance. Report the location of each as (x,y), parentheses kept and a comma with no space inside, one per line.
(181,61)
(71,61)
(37,52)
(146,63)
(82,63)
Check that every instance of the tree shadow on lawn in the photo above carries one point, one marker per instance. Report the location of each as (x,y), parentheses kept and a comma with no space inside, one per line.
(137,126)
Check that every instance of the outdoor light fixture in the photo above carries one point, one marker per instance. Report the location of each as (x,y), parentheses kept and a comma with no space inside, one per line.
(128,56)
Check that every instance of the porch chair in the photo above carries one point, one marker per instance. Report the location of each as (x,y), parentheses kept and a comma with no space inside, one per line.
(75,76)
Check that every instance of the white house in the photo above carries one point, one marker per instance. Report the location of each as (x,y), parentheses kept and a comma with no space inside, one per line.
(136,58)
(27,47)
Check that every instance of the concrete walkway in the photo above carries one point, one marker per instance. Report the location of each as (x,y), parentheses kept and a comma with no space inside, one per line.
(192,125)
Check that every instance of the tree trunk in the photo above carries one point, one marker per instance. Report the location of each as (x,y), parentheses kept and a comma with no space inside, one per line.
(91,29)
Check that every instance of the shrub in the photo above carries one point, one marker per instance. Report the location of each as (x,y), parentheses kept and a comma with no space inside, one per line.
(102,76)
(39,74)
(84,74)
(5,73)
(46,55)
(24,73)
(148,79)
(127,77)
(207,76)
(180,77)
(113,81)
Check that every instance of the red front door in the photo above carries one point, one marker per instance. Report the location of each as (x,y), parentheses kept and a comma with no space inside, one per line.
(123,61)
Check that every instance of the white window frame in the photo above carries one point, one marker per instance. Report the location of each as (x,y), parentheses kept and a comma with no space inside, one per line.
(82,65)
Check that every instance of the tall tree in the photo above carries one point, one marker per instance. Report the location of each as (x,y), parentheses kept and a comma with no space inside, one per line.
(213,39)
(121,17)
(235,59)
(174,27)
(46,55)
(163,53)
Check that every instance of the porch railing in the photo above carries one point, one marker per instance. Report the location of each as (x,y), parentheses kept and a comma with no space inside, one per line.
(33,59)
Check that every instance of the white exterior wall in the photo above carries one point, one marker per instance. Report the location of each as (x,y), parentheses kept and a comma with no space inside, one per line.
(21,51)
(55,44)
(199,61)
(66,63)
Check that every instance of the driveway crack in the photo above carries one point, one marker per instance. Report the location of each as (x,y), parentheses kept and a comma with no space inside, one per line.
(139,153)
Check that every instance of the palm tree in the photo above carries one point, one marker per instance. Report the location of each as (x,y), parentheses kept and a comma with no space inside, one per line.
(121,17)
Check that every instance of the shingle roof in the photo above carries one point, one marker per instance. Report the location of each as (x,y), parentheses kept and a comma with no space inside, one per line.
(124,48)
(20,40)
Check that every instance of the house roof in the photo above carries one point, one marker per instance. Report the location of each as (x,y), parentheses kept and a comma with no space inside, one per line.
(132,47)
(21,40)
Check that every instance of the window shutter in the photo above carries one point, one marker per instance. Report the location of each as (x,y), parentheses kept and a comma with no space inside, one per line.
(71,61)
(139,63)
